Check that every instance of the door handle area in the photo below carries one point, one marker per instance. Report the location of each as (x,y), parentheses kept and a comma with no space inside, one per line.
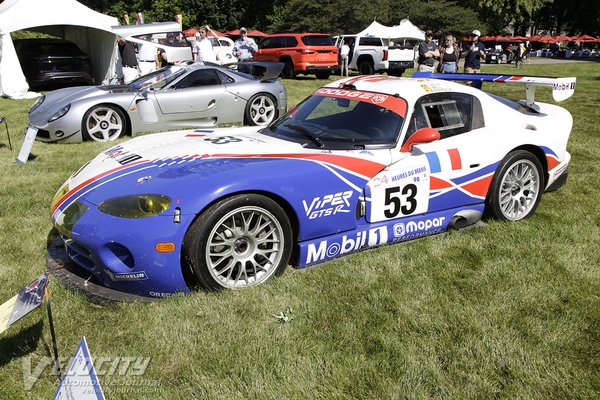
(212,103)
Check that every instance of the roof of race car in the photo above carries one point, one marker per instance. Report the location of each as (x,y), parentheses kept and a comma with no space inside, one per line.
(408,88)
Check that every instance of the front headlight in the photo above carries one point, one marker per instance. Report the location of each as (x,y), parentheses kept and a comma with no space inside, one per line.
(60,113)
(140,206)
(37,103)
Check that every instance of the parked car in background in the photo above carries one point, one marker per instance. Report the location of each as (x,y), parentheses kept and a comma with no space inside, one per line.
(53,63)
(301,53)
(184,95)
(368,54)
(166,36)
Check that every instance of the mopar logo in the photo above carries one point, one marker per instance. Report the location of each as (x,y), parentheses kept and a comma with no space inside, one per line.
(424,225)
(348,244)
(416,228)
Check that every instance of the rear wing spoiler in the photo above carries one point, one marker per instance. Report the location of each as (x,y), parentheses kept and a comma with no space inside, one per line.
(562,88)
(264,71)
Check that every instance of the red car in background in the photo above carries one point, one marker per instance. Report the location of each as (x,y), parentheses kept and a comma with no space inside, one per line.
(302,53)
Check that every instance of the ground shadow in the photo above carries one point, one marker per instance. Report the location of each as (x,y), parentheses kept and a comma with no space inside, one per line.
(21,343)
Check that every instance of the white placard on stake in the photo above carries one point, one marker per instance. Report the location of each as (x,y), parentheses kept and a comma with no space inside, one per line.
(27,145)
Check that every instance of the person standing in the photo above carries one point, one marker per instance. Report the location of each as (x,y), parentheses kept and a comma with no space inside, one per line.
(428,52)
(519,59)
(147,56)
(449,56)
(128,60)
(344,53)
(245,47)
(203,47)
(473,54)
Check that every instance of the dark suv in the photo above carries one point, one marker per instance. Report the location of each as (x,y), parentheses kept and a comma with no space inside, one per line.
(302,53)
(52,63)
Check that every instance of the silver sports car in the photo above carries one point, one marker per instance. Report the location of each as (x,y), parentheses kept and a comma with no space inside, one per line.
(177,96)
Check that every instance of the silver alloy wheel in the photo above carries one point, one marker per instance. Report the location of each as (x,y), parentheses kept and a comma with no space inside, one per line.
(104,124)
(262,110)
(245,247)
(519,189)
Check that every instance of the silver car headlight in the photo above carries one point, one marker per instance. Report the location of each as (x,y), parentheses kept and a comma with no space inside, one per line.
(37,103)
(60,113)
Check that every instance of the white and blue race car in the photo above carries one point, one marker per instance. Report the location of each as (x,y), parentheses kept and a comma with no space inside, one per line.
(363,162)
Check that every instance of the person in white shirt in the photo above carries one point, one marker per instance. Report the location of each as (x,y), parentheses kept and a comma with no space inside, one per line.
(203,48)
(344,52)
(147,57)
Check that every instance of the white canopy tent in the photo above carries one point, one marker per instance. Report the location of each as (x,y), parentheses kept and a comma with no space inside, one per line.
(405,30)
(67,19)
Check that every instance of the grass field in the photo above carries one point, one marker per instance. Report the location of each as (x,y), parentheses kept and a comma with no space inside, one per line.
(510,310)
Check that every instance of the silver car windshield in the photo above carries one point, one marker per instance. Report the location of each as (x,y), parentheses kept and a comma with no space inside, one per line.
(158,79)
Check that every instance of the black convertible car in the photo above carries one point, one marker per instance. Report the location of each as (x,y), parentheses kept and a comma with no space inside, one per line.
(53,63)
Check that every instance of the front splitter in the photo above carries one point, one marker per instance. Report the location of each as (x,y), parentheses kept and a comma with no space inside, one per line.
(80,281)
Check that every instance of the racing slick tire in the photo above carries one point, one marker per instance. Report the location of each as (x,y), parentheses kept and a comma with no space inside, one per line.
(103,123)
(240,241)
(516,188)
(261,110)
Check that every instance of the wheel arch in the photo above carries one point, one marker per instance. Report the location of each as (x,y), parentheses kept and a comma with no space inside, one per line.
(284,204)
(365,57)
(540,155)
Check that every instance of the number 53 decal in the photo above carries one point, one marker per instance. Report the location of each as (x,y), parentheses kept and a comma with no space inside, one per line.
(398,193)
(400,200)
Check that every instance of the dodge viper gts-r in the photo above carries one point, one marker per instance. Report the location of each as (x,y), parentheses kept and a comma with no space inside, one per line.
(363,162)
(177,96)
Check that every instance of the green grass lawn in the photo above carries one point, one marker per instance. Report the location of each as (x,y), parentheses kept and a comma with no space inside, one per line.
(509,310)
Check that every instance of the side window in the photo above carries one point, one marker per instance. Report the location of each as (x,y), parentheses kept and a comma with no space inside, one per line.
(201,77)
(266,43)
(291,41)
(450,113)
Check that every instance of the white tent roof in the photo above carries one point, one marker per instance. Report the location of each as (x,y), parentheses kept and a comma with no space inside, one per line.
(405,30)
(68,19)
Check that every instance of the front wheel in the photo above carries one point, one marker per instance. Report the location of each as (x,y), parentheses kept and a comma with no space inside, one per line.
(238,242)
(103,123)
(261,110)
(516,188)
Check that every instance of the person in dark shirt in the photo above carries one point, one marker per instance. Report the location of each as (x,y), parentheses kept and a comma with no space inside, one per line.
(129,60)
(473,53)
(428,52)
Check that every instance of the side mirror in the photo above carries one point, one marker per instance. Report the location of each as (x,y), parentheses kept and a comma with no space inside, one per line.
(423,135)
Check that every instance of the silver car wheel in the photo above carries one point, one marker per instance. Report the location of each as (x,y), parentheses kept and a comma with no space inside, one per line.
(519,189)
(245,247)
(104,124)
(262,110)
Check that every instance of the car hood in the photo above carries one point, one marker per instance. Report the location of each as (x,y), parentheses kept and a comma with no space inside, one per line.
(57,99)
(172,161)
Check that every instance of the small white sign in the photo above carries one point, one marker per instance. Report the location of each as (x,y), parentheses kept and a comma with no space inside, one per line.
(80,380)
(30,135)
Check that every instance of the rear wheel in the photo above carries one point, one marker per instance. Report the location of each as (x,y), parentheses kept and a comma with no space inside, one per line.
(261,109)
(322,74)
(238,242)
(516,188)
(365,68)
(288,70)
(103,123)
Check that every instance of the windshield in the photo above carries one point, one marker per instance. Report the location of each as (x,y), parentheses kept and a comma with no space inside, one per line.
(340,119)
(158,79)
